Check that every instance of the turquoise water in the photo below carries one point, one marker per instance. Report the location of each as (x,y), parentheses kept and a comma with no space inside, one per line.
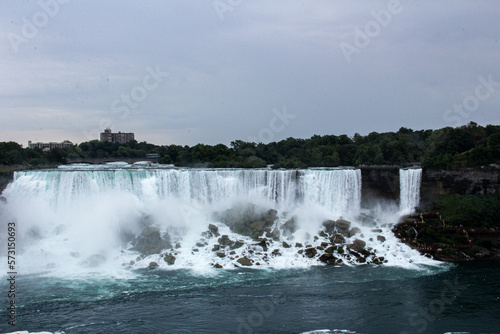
(362,299)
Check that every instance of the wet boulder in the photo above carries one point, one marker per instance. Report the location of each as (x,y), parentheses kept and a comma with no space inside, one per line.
(343,225)
(358,244)
(337,239)
(290,226)
(244,261)
(248,220)
(213,229)
(264,244)
(330,226)
(354,231)
(225,241)
(237,244)
(169,258)
(310,252)
(150,241)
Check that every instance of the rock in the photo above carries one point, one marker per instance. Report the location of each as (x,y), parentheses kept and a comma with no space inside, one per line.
(326,257)
(244,261)
(199,244)
(343,225)
(310,252)
(151,242)
(263,244)
(237,244)
(298,245)
(330,226)
(285,245)
(169,258)
(337,239)
(258,226)
(132,262)
(275,234)
(483,253)
(214,229)
(358,244)
(380,238)
(215,248)
(354,231)
(276,252)
(221,254)
(152,265)
(290,226)
(248,220)
(377,230)
(225,241)
(330,249)
(217,266)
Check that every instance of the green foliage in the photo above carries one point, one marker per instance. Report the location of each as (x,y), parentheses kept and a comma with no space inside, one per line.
(471,210)
(448,148)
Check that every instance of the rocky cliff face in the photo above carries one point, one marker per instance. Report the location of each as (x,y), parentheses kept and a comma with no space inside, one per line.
(379,183)
(5,179)
(438,183)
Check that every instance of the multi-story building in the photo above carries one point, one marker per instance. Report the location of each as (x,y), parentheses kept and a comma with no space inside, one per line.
(49,146)
(119,137)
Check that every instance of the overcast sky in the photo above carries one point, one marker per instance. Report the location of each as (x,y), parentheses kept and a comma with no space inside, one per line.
(187,72)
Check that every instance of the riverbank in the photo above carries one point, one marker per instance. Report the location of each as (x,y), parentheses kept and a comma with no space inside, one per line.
(432,236)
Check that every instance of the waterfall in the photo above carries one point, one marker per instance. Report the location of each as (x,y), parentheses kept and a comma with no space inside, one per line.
(76,219)
(336,190)
(409,194)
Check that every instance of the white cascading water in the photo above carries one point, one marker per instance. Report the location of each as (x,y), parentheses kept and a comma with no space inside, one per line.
(409,194)
(75,221)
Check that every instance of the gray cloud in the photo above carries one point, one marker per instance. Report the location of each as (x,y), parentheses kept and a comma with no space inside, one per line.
(226,77)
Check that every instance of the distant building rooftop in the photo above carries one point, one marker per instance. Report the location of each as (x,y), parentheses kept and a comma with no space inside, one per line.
(119,137)
(49,146)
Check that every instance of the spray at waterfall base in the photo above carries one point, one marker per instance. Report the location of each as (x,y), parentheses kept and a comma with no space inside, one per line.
(111,221)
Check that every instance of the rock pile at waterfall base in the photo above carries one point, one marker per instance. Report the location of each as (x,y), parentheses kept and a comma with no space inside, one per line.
(258,237)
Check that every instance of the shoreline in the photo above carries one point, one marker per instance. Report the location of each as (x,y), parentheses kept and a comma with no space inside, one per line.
(433,237)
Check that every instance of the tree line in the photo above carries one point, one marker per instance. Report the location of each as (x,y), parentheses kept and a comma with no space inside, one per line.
(447,148)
